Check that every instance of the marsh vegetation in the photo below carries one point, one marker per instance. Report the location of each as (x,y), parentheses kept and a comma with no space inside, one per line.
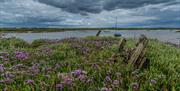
(83,64)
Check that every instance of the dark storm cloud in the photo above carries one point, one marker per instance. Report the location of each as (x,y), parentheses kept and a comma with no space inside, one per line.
(96,6)
(129,4)
(76,6)
(89,13)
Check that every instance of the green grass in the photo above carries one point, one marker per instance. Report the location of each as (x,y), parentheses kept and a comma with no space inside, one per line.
(93,58)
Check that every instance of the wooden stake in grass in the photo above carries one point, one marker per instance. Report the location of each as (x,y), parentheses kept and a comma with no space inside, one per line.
(121,44)
(98,33)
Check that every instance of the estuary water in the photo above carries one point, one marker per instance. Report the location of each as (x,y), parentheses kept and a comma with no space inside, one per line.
(163,35)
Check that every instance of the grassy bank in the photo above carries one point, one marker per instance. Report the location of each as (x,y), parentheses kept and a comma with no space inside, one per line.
(37,30)
(84,65)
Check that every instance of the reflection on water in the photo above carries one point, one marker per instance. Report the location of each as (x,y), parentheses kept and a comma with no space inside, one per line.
(162,35)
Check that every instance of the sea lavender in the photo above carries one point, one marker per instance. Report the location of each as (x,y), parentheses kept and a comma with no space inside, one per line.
(115,83)
(82,78)
(48,69)
(59,86)
(2,68)
(153,81)
(46,51)
(35,69)
(29,82)
(135,86)
(21,55)
(4,56)
(68,81)
(108,79)
(8,75)
(17,67)
(78,72)
(106,89)
(6,81)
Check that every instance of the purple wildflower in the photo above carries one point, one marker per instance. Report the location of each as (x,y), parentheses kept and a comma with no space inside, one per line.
(30,82)
(82,78)
(21,55)
(106,89)
(57,66)
(6,81)
(2,68)
(4,56)
(108,79)
(59,86)
(77,72)
(46,51)
(135,86)
(153,81)
(68,81)
(8,75)
(17,67)
(115,83)
(35,69)
(48,69)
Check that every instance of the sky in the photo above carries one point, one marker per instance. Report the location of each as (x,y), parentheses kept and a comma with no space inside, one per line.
(90,13)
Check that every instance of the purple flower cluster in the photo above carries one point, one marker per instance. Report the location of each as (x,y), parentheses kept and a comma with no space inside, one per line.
(135,86)
(4,56)
(8,75)
(17,67)
(78,72)
(106,89)
(81,75)
(46,51)
(34,70)
(29,82)
(59,86)
(115,83)
(21,55)
(68,81)
(2,68)
(6,81)
(108,79)
(85,46)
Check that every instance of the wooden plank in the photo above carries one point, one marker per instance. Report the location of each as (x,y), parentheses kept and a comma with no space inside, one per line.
(136,54)
(137,59)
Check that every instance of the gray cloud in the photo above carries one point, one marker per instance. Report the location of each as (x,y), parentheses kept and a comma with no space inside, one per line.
(101,13)
(96,6)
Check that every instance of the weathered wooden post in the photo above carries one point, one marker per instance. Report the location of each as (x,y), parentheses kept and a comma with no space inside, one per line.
(137,59)
(121,44)
(98,33)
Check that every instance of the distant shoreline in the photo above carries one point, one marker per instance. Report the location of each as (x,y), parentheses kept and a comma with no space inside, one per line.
(39,30)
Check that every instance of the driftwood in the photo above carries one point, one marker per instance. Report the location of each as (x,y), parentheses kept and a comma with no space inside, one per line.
(133,57)
(137,58)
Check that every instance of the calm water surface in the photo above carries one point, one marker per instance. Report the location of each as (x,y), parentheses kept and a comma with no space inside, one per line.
(162,35)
